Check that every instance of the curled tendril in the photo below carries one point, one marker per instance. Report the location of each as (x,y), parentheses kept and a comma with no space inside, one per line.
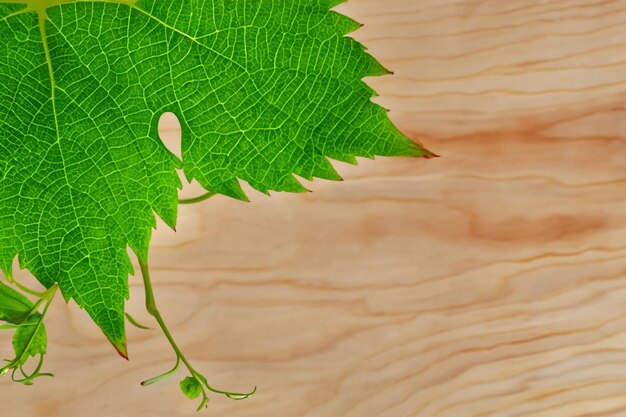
(152,309)
(206,388)
(16,365)
(27,378)
(235,396)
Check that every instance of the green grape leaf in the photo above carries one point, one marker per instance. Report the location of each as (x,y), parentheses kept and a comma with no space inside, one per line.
(264,90)
(14,307)
(191,387)
(30,339)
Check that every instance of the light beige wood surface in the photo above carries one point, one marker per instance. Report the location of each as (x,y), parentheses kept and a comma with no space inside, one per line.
(489,282)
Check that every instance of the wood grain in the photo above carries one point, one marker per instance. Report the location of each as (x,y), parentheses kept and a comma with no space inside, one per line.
(489,282)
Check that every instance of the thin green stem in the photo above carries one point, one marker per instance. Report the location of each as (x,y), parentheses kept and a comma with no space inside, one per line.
(26,289)
(29,377)
(198,199)
(135,323)
(163,376)
(154,312)
(180,356)
(46,297)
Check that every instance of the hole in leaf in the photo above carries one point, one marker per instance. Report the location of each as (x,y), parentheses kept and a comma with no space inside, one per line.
(170,133)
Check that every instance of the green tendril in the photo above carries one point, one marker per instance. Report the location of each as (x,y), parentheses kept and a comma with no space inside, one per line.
(163,376)
(24,288)
(16,365)
(135,323)
(180,357)
(198,199)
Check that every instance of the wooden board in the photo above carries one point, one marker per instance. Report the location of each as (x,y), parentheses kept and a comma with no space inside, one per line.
(489,282)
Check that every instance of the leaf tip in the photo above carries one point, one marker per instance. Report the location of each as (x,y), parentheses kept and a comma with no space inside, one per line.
(120,347)
(431,155)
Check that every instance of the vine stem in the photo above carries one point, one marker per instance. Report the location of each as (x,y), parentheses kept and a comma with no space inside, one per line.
(47,298)
(152,309)
(198,199)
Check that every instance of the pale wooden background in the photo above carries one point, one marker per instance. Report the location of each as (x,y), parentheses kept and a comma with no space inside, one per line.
(490,282)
